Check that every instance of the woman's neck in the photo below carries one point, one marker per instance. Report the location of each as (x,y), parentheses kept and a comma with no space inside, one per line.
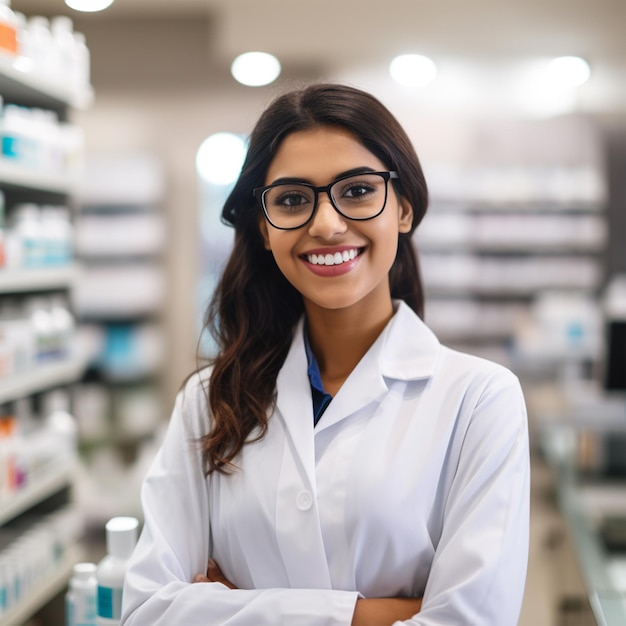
(340,339)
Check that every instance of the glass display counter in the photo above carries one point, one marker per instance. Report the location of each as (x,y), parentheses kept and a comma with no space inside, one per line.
(591,494)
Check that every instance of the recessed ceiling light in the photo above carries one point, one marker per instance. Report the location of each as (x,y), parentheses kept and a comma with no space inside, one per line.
(567,71)
(255,69)
(220,157)
(413,70)
(89,6)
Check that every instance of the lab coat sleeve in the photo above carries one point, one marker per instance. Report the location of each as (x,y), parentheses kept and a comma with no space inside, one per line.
(479,569)
(174,546)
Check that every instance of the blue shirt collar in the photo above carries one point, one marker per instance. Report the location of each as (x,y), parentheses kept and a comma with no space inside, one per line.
(321,399)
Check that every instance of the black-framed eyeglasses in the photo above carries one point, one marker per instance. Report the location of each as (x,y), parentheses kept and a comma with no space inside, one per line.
(288,206)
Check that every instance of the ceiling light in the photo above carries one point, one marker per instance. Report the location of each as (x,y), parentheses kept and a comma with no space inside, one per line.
(255,69)
(220,157)
(567,72)
(89,6)
(413,70)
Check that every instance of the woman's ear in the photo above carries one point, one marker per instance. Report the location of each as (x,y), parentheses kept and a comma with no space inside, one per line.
(405,215)
(264,233)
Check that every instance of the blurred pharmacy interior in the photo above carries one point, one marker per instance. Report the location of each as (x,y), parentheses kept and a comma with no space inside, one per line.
(121,131)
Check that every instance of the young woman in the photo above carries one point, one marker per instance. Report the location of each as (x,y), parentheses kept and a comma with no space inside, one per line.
(335,465)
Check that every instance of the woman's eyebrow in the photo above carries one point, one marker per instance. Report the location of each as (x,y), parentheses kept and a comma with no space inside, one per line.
(351,172)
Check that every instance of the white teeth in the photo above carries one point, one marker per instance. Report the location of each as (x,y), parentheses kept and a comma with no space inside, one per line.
(332,259)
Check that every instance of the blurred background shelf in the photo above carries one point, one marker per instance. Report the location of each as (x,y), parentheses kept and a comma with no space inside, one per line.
(55,480)
(43,279)
(40,378)
(25,85)
(55,583)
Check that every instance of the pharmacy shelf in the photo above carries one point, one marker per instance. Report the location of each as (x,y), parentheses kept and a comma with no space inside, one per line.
(19,176)
(20,82)
(504,207)
(42,279)
(54,584)
(499,291)
(40,378)
(30,495)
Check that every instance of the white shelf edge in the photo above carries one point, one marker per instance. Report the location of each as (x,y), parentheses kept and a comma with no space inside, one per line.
(517,247)
(29,496)
(13,69)
(15,174)
(502,291)
(441,204)
(24,280)
(40,596)
(40,378)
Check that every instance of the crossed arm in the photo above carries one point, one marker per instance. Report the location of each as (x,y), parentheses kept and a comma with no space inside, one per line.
(368,611)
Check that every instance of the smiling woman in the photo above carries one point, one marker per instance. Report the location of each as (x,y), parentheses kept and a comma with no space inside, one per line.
(334,463)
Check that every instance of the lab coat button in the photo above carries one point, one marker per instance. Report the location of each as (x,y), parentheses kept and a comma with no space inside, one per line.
(304,501)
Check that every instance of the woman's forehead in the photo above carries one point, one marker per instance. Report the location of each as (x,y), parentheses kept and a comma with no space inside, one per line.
(320,153)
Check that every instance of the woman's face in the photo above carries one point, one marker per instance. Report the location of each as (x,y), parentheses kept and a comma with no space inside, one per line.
(319,156)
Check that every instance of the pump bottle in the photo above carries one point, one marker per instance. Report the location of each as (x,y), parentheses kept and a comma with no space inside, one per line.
(121,537)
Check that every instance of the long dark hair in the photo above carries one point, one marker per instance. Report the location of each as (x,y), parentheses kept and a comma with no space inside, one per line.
(254,309)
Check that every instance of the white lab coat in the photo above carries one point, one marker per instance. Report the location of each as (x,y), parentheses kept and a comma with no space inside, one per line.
(415,482)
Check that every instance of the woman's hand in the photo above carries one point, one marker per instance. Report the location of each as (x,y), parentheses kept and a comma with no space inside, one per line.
(213,575)
(384,611)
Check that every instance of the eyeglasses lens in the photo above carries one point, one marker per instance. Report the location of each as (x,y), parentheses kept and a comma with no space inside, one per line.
(358,197)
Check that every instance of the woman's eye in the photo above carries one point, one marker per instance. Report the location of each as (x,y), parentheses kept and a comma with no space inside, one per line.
(357,191)
(292,200)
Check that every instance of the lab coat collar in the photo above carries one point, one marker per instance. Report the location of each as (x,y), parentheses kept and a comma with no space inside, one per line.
(410,348)
(405,350)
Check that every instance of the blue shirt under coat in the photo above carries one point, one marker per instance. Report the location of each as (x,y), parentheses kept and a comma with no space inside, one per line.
(321,399)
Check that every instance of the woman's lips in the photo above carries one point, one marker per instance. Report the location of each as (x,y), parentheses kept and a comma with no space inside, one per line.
(332,262)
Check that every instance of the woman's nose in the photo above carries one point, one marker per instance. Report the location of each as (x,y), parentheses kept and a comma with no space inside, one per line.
(327,222)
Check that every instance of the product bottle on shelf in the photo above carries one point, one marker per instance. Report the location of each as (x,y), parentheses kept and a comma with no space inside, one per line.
(121,537)
(8,29)
(27,227)
(41,44)
(82,60)
(80,601)
(62,29)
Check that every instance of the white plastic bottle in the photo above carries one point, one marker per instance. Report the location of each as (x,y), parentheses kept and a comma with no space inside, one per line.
(62,29)
(80,601)
(82,64)
(121,533)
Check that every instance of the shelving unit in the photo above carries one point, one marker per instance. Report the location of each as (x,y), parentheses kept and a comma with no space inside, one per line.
(41,378)
(48,279)
(509,222)
(26,86)
(54,481)
(38,598)
(12,175)
(119,300)
(22,86)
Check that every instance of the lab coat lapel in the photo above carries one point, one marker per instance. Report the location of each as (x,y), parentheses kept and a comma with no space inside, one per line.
(405,350)
(298,528)
(295,405)
(364,385)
